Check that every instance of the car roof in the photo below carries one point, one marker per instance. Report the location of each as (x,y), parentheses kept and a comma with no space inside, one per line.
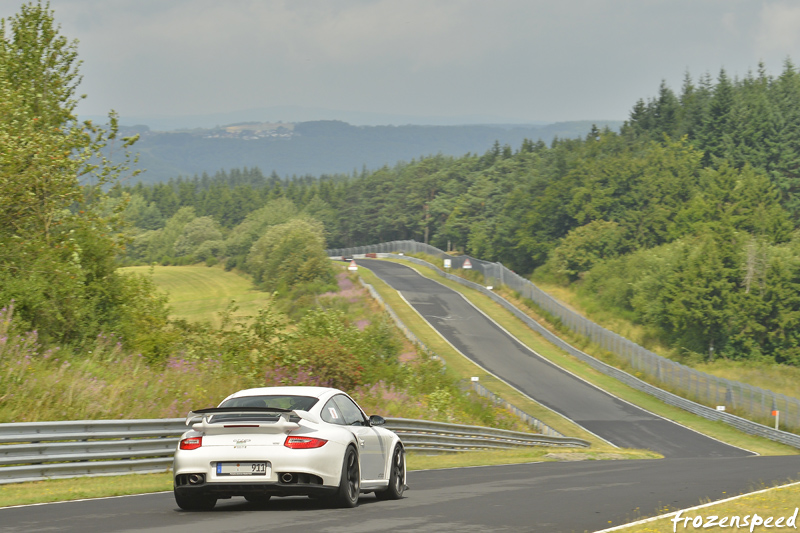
(316,392)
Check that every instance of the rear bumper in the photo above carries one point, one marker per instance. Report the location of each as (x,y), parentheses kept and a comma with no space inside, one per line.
(325,463)
(226,490)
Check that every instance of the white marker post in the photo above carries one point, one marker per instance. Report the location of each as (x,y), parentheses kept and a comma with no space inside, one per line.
(777,415)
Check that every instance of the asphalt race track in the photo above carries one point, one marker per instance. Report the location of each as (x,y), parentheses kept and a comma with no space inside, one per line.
(483,341)
(548,497)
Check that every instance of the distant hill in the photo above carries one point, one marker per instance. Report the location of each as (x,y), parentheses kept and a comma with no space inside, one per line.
(295,114)
(324,147)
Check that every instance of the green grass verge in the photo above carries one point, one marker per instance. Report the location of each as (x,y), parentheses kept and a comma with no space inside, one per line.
(57,490)
(536,342)
(199,293)
(775,502)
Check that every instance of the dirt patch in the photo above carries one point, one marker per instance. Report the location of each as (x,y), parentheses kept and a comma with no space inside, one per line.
(569,456)
(614,456)
(405,357)
(563,456)
(347,289)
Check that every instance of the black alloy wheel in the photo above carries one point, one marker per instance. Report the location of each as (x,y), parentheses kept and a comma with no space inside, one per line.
(397,476)
(350,484)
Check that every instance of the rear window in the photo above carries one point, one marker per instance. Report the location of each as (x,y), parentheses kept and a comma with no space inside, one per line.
(303,403)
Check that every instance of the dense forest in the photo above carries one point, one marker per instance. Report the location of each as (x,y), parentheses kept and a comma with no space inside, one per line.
(685,220)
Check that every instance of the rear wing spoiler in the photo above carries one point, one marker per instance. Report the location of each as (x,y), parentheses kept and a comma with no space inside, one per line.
(199,418)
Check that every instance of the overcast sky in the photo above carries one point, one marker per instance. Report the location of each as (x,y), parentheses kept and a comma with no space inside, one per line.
(509,60)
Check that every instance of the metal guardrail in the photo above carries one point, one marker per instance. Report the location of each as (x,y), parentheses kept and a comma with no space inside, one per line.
(34,451)
(396,319)
(519,413)
(754,401)
(440,437)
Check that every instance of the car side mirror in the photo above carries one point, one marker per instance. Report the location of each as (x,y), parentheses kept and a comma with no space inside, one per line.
(376,420)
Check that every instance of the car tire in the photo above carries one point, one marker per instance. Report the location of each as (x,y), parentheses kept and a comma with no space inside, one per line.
(257,499)
(350,483)
(194,502)
(397,476)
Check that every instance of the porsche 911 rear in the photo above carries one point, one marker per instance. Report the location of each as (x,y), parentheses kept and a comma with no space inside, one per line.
(287,441)
(255,453)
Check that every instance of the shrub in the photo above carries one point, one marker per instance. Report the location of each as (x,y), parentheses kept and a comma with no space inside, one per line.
(325,358)
(289,254)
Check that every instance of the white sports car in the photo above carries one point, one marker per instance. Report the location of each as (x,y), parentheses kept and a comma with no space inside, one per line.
(286,441)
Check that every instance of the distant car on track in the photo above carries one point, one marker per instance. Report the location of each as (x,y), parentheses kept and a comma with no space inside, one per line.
(286,441)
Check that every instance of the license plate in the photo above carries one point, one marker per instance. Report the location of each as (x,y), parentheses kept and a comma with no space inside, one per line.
(242,469)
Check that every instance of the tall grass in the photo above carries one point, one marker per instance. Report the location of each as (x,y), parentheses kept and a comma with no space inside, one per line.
(39,383)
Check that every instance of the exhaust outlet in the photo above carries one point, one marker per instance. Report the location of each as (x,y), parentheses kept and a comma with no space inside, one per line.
(196,479)
(287,477)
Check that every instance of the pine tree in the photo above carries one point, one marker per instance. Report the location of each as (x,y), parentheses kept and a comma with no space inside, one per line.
(695,101)
(666,114)
(714,137)
(783,161)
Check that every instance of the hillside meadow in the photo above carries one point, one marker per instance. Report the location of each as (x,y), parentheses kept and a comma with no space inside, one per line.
(198,293)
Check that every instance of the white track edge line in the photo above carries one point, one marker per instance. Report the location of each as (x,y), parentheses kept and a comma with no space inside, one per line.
(84,499)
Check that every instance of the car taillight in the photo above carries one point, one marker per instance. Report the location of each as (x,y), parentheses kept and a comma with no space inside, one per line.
(192,443)
(303,443)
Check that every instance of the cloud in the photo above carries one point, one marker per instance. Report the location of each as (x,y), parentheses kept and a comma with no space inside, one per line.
(530,59)
(779,28)
(730,23)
